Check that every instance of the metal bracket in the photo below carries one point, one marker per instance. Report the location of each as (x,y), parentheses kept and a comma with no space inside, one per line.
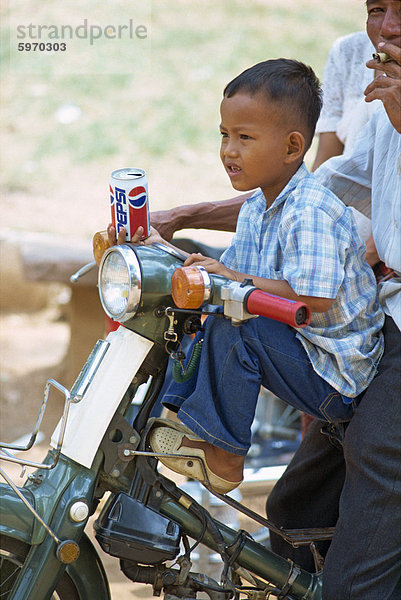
(170,335)
(185,566)
(117,450)
(295,537)
(233,296)
(72,396)
(28,463)
(317,557)
(292,575)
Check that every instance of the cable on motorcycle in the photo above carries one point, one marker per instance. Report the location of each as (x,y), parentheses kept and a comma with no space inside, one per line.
(182,373)
(147,407)
(209,523)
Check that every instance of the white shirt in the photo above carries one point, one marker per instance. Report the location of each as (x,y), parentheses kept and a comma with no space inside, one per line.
(344,108)
(372,169)
(345,78)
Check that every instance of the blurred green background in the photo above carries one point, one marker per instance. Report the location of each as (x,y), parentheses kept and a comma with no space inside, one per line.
(68,123)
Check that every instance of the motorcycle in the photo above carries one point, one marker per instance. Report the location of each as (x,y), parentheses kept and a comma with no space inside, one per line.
(100,447)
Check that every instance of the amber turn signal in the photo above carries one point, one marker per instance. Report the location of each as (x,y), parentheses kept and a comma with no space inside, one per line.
(190,287)
(100,245)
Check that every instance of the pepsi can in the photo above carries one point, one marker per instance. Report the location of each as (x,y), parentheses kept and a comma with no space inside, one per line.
(129,201)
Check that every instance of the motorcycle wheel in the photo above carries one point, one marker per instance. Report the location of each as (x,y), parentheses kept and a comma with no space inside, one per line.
(12,557)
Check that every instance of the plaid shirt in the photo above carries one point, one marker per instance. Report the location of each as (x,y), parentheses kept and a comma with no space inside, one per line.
(309,239)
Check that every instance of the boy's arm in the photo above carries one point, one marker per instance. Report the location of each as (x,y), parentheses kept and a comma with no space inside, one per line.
(279,287)
(221,215)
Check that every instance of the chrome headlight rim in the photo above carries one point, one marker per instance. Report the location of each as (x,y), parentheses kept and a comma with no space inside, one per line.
(134,278)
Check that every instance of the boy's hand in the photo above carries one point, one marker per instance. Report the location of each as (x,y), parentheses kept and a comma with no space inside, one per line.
(211,265)
(387,86)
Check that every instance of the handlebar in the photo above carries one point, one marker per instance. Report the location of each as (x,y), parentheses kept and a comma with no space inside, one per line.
(297,314)
(193,287)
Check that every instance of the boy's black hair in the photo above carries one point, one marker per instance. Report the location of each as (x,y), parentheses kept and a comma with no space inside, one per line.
(286,81)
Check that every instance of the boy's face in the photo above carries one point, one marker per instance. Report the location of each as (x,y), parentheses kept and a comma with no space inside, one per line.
(253,145)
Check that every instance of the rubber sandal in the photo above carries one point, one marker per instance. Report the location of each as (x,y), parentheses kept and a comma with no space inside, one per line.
(166,438)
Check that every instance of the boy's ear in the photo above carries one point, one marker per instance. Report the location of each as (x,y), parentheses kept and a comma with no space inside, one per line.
(295,146)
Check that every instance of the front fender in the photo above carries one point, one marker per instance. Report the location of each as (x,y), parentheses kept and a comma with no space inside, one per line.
(88,573)
(17,522)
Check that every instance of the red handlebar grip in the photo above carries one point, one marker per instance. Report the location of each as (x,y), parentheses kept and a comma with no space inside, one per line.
(287,311)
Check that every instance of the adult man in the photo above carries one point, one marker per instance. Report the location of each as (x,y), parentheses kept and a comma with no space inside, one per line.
(364,558)
(363,562)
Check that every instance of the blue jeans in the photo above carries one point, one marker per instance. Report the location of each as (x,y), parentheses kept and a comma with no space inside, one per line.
(218,403)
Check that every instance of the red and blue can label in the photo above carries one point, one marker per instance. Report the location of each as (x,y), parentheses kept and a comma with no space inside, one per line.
(129,201)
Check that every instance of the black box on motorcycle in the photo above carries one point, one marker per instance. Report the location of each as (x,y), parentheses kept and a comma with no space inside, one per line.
(130,530)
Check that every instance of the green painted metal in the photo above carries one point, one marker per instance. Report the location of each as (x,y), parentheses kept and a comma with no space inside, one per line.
(67,483)
(66,475)
(16,520)
(88,573)
(157,267)
(253,556)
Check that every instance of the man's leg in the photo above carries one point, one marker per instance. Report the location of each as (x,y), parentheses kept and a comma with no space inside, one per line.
(307,494)
(364,559)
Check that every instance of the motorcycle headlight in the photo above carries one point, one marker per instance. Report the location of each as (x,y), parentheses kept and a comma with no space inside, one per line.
(120,283)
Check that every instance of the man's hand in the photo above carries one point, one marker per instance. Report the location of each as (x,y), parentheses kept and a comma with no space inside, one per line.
(211,265)
(120,239)
(111,235)
(221,216)
(387,86)
(154,236)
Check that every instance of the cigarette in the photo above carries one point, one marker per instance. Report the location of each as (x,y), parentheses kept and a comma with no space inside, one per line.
(381,57)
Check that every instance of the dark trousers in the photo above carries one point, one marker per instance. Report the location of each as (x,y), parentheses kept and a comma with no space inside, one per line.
(308,493)
(363,561)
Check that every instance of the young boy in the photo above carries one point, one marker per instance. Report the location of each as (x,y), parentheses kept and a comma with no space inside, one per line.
(295,239)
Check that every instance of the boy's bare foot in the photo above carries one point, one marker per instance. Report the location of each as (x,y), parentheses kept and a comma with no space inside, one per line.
(225,464)
(189,455)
